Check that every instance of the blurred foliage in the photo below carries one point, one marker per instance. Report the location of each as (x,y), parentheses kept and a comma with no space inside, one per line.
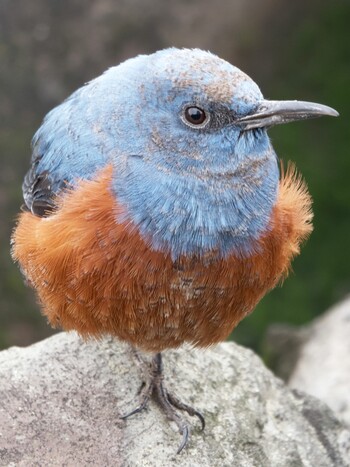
(294,50)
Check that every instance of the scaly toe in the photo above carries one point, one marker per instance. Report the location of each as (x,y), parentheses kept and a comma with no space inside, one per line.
(167,401)
(145,393)
(174,401)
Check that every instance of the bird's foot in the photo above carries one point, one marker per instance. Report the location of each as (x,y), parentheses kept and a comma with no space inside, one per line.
(167,401)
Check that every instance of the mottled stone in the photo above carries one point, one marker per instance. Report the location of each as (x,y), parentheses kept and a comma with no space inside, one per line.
(323,366)
(60,402)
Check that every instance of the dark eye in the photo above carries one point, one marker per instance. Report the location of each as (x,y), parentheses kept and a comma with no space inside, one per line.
(195,115)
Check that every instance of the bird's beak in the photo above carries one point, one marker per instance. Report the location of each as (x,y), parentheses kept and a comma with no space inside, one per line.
(270,113)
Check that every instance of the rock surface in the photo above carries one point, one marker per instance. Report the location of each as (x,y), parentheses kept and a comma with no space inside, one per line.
(323,366)
(60,402)
(282,346)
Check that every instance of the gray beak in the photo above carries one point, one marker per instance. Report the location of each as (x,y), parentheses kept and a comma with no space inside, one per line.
(270,113)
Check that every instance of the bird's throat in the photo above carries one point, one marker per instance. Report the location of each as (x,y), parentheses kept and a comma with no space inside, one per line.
(222,212)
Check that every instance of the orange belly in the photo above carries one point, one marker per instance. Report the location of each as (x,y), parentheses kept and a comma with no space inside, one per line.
(99,277)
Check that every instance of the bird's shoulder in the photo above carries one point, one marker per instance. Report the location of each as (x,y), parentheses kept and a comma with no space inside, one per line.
(51,173)
(69,146)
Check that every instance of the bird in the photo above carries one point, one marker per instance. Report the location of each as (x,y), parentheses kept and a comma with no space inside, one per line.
(156,210)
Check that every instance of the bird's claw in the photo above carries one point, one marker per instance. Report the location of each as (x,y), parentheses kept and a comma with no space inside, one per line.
(174,401)
(167,401)
(185,438)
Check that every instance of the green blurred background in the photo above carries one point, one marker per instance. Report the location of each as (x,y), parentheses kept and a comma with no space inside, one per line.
(293,50)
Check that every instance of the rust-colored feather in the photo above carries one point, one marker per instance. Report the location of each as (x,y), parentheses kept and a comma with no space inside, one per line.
(99,277)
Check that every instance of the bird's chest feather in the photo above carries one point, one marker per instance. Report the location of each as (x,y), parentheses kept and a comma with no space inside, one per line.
(97,276)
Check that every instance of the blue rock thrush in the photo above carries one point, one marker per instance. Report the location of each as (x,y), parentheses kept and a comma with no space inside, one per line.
(155,211)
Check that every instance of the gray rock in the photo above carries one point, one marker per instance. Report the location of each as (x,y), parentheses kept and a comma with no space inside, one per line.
(60,402)
(323,367)
(281,347)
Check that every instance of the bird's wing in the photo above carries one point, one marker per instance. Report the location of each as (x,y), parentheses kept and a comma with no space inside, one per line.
(56,167)
(40,188)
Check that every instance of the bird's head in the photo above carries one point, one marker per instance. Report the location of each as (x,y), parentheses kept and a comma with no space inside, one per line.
(190,111)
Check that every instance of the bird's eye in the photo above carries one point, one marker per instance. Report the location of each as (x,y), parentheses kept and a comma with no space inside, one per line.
(195,115)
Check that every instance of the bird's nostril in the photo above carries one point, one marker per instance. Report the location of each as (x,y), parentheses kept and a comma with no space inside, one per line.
(136,156)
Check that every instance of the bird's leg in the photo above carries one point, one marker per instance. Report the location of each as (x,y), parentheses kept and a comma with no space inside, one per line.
(144,366)
(169,403)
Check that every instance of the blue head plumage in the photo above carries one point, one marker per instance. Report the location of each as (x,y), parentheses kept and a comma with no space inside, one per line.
(186,134)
